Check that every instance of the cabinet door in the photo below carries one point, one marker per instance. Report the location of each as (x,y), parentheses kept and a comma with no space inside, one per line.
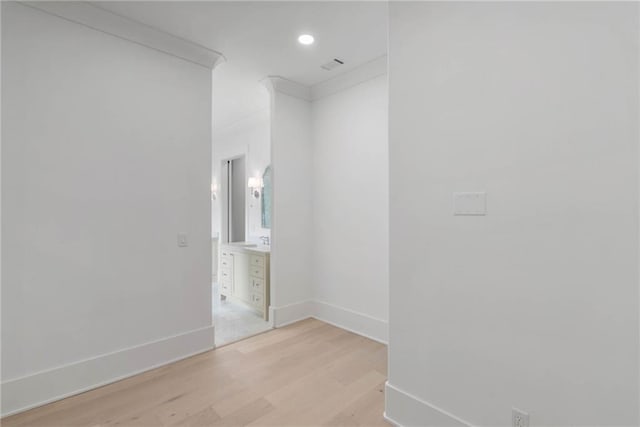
(241,283)
(257,260)
(257,286)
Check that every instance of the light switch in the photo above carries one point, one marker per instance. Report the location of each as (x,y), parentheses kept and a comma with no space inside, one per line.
(182,240)
(470,203)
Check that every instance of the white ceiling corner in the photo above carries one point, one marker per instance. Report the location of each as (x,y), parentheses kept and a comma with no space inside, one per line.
(288,87)
(92,16)
(259,38)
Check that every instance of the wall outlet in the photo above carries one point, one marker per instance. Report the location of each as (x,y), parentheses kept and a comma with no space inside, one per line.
(470,203)
(519,418)
(182,240)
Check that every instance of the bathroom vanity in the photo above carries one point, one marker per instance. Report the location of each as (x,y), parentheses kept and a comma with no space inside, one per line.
(244,275)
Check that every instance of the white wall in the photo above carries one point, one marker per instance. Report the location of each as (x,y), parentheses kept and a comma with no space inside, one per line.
(330,157)
(250,137)
(536,304)
(1,32)
(105,158)
(291,154)
(350,207)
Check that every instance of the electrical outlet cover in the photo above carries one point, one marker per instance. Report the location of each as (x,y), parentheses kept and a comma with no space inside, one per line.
(182,240)
(470,203)
(519,418)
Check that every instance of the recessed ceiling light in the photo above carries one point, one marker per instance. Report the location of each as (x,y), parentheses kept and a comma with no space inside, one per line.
(306,39)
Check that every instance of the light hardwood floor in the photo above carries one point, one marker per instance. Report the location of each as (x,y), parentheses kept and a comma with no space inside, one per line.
(306,374)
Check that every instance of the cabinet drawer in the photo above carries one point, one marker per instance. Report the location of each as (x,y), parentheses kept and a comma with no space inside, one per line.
(257,286)
(257,261)
(225,287)
(225,274)
(257,300)
(226,283)
(225,253)
(226,262)
(257,271)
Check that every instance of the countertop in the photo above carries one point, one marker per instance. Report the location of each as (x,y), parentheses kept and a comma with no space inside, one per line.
(263,249)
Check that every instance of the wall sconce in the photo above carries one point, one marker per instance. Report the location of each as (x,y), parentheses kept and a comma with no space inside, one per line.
(255,184)
(214,190)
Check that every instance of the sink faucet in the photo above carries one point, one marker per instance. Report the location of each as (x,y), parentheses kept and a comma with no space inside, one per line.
(265,240)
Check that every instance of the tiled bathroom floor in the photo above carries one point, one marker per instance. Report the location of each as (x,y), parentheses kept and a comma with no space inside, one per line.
(232,321)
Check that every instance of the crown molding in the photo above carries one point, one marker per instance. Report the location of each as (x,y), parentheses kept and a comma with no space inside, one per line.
(366,71)
(287,87)
(119,26)
(361,74)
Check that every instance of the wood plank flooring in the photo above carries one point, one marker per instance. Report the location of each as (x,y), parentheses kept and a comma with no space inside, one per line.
(306,374)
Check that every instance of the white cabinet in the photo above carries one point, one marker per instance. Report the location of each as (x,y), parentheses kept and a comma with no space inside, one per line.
(214,254)
(241,275)
(259,282)
(244,277)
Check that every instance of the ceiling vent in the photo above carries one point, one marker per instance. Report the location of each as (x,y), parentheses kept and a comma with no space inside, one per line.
(334,63)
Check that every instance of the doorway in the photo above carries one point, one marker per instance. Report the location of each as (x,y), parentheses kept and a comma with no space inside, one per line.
(239,293)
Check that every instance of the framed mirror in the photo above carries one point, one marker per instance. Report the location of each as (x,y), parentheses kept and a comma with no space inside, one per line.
(267,195)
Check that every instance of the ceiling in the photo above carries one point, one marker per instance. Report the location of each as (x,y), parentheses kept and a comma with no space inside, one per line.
(259,39)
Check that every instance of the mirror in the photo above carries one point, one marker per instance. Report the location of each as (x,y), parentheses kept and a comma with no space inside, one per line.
(267,194)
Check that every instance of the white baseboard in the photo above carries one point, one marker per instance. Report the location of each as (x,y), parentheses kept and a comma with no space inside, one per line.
(287,314)
(405,409)
(47,386)
(361,324)
(44,387)
(390,420)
